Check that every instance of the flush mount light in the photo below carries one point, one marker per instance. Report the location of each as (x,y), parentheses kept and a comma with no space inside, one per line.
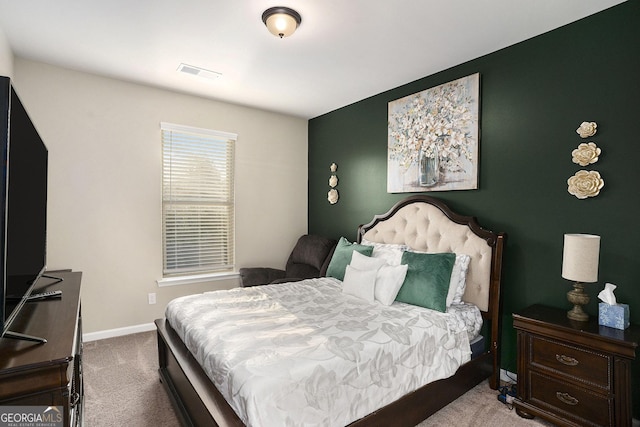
(281,21)
(200,72)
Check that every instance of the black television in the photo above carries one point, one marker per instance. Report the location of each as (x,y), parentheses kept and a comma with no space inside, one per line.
(23,208)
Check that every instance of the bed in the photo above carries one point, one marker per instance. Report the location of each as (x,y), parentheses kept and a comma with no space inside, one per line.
(424,225)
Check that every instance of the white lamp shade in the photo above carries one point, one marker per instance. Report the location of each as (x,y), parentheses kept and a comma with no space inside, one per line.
(580,257)
(281,24)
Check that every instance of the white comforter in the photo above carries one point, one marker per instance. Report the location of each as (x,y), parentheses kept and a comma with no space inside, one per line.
(306,354)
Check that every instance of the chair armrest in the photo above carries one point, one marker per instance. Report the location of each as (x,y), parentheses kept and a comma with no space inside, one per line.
(253,276)
(287,280)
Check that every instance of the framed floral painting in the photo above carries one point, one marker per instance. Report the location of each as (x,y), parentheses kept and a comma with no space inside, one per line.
(433,138)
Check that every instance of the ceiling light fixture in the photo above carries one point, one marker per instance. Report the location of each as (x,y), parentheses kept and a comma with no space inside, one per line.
(281,21)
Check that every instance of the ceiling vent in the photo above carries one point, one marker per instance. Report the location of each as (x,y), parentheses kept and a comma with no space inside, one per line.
(200,72)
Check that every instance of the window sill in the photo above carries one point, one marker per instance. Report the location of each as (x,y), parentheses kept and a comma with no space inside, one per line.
(196,278)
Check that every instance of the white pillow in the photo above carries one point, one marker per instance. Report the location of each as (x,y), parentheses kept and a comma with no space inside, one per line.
(390,252)
(359,283)
(458,282)
(389,280)
(363,262)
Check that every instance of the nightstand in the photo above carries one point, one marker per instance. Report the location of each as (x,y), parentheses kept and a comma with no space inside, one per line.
(573,373)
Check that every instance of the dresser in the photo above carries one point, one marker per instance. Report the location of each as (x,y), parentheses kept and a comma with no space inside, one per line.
(573,373)
(48,374)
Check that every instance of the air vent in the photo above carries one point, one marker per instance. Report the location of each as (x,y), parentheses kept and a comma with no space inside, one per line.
(200,72)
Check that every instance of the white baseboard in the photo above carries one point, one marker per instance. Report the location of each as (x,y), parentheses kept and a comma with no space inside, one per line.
(118,332)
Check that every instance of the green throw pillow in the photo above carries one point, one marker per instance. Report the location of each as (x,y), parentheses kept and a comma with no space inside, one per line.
(342,257)
(427,280)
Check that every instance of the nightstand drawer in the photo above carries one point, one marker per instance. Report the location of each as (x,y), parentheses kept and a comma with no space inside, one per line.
(580,404)
(573,373)
(581,364)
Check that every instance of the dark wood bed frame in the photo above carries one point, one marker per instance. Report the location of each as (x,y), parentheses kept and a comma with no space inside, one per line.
(199,403)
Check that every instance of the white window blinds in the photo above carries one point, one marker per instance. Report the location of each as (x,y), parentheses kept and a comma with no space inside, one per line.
(197,200)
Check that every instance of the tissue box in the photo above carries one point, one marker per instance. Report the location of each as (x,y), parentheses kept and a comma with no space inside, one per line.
(613,316)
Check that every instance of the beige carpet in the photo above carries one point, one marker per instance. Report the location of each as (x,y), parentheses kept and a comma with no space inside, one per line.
(122,388)
(121,383)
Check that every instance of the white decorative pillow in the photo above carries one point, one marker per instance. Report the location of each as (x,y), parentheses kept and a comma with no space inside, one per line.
(359,283)
(390,252)
(458,282)
(389,280)
(363,262)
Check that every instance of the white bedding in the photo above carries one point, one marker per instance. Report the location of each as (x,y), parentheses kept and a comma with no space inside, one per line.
(307,354)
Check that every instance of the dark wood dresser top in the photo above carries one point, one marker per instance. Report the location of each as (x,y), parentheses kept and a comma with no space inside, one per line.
(53,320)
(537,316)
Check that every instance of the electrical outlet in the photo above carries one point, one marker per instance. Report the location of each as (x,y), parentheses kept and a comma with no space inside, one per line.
(152,298)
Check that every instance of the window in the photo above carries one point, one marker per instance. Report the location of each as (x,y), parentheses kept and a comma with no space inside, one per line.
(197,200)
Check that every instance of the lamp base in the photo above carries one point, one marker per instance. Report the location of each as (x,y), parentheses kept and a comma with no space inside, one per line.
(578,297)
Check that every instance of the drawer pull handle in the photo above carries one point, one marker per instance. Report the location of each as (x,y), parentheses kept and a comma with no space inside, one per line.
(566,360)
(567,398)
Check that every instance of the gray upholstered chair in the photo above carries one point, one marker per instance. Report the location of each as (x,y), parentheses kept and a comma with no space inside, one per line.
(310,258)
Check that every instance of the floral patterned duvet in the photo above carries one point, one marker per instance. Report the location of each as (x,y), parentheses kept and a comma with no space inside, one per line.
(306,354)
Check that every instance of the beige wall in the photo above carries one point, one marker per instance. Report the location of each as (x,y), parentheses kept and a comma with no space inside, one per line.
(104,195)
(6,56)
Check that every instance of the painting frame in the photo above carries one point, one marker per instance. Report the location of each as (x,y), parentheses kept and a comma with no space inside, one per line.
(433,138)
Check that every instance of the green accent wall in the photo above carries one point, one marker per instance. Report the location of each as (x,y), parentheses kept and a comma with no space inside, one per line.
(534,95)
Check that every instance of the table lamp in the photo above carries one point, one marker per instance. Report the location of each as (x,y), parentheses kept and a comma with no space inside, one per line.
(580,264)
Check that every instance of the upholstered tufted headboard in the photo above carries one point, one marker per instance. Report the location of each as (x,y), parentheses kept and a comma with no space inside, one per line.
(426,224)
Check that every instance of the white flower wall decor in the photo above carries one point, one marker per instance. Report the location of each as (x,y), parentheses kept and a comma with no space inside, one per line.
(332,195)
(585,184)
(433,138)
(586,154)
(587,129)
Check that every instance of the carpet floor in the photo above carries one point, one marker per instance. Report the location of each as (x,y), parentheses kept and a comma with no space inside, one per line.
(122,388)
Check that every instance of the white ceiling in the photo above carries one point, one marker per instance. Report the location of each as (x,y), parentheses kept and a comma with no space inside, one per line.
(344,50)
